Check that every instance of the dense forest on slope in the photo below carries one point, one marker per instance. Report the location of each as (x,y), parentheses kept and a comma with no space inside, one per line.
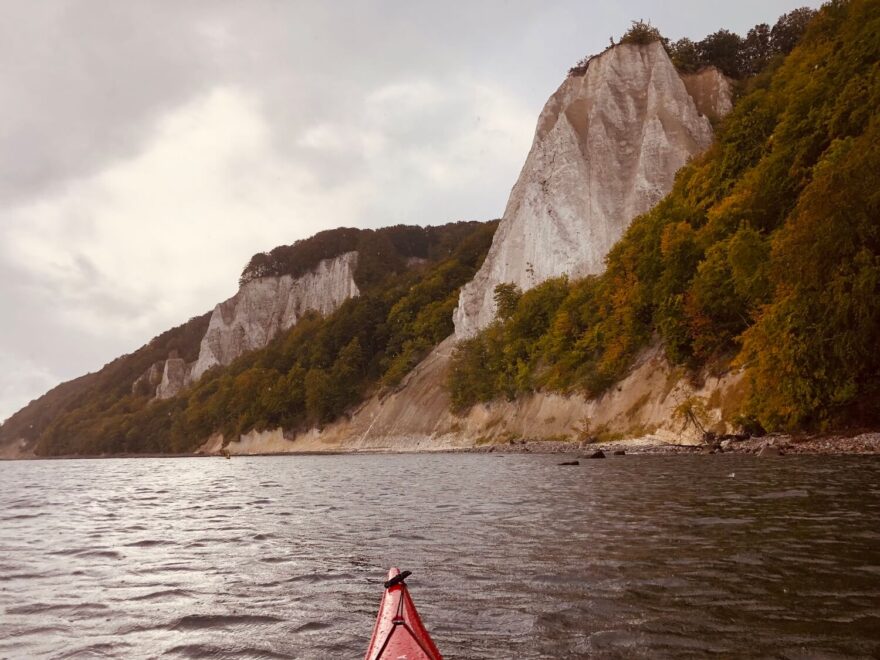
(765,254)
(308,375)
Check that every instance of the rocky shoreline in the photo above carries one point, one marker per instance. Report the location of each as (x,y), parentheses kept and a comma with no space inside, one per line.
(864,444)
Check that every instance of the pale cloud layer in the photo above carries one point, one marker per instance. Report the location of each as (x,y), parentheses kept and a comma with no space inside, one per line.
(147,149)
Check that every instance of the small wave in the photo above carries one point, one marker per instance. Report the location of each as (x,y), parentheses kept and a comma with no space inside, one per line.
(263,537)
(87,552)
(783,494)
(268,585)
(203,621)
(274,560)
(311,626)
(23,576)
(164,595)
(21,516)
(712,520)
(41,608)
(36,630)
(219,540)
(104,650)
(320,577)
(172,568)
(148,543)
(106,554)
(35,608)
(205,651)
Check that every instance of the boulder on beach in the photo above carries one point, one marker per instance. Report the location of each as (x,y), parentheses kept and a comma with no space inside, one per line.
(597,454)
(768,451)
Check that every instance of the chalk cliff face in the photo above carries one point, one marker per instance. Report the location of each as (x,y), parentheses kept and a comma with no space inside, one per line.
(147,382)
(175,376)
(606,149)
(264,307)
(711,91)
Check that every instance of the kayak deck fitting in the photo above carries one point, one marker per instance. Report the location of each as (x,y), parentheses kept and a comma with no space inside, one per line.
(399,632)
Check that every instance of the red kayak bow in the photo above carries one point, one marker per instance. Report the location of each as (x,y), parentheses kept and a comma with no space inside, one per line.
(399,633)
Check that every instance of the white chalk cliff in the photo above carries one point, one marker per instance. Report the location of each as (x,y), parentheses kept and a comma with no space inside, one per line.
(606,149)
(266,306)
(175,376)
(253,317)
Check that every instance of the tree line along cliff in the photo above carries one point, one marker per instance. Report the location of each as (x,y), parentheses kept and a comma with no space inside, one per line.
(409,279)
(765,256)
(735,56)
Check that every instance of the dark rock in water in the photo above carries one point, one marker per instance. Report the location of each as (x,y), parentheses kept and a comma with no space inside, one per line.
(569,463)
(597,454)
(620,452)
(768,451)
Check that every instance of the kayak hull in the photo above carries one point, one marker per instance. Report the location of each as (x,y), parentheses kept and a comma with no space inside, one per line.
(399,633)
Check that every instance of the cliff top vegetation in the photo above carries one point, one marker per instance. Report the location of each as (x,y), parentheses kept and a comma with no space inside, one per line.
(381,252)
(735,56)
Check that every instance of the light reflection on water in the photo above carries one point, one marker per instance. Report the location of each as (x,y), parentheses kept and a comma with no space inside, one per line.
(513,556)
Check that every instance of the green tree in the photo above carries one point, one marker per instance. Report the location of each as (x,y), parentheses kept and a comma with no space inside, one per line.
(789,29)
(684,55)
(722,49)
(506,297)
(756,49)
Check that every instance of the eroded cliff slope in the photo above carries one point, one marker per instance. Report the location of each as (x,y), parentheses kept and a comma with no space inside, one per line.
(606,149)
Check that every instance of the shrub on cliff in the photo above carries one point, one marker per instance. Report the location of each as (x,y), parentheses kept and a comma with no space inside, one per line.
(641,32)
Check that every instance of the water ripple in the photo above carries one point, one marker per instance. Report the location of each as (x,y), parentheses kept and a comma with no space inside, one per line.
(284,557)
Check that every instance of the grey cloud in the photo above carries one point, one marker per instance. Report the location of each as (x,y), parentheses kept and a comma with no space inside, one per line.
(81,83)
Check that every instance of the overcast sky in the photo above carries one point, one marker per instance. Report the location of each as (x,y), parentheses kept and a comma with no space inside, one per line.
(147,149)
